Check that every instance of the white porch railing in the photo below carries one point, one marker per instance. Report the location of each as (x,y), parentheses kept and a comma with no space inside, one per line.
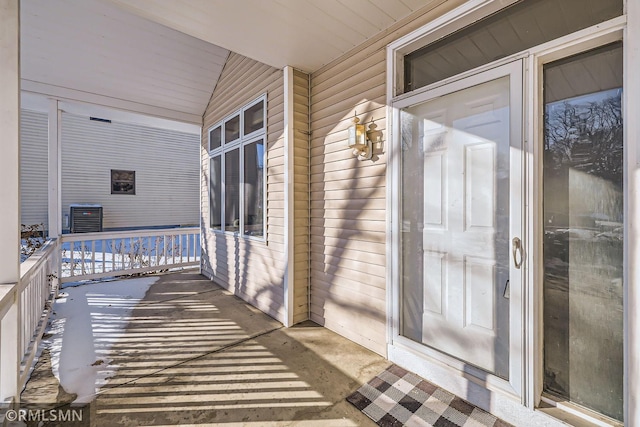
(25,307)
(96,255)
(24,311)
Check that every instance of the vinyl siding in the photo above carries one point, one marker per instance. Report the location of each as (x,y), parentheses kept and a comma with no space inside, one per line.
(348,196)
(34,197)
(251,269)
(301,195)
(165,162)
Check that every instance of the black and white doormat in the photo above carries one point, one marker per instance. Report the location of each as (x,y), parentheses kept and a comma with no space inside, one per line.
(397,397)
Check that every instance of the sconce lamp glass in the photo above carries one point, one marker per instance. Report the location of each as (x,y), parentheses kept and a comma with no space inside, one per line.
(358,141)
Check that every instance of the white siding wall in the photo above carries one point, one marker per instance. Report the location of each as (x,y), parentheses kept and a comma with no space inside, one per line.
(33,168)
(348,197)
(253,270)
(165,162)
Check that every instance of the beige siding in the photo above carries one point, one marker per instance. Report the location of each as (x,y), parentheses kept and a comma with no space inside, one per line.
(252,269)
(348,197)
(301,195)
(33,168)
(165,162)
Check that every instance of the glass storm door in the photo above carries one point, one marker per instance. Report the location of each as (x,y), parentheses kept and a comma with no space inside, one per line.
(461,219)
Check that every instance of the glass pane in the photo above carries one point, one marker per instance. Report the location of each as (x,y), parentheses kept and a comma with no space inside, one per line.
(455,224)
(254,189)
(232,190)
(232,129)
(215,138)
(254,118)
(519,27)
(215,193)
(583,230)
(123,182)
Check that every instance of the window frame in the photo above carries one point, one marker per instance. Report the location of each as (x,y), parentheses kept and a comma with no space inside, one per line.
(122,193)
(239,143)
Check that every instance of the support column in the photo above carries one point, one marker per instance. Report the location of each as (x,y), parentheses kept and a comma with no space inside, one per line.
(9,142)
(296,159)
(9,195)
(55,195)
(631,107)
(289,227)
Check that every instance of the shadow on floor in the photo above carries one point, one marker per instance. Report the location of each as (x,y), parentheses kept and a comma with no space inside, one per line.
(193,354)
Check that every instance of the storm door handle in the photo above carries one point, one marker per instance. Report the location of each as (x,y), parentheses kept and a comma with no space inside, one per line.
(516,247)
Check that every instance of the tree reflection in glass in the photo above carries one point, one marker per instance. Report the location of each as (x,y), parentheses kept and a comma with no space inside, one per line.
(583,240)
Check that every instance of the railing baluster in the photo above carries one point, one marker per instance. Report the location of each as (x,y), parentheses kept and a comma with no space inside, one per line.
(131,252)
(188,236)
(82,254)
(73,258)
(113,255)
(93,257)
(173,249)
(140,252)
(121,253)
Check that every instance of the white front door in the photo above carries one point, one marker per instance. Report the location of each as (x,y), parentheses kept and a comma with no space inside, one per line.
(461,198)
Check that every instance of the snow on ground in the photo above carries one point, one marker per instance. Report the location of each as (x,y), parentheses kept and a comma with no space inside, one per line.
(86,321)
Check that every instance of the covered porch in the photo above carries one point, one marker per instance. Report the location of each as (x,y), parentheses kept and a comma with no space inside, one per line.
(190,353)
(303,227)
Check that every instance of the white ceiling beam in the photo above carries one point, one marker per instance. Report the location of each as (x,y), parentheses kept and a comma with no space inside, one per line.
(66,94)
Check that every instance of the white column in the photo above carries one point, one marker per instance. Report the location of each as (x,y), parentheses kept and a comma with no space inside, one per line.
(9,142)
(9,193)
(632,214)
(55,195)
(289,239)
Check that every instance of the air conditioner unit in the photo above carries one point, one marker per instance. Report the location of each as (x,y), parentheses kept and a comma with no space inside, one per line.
(85,218)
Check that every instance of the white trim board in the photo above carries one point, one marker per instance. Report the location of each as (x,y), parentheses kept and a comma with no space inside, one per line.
(66,94)
(631,106)
(289,237)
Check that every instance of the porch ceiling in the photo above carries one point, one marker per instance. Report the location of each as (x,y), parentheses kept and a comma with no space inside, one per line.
(306,34)
(163,58)
(93,51)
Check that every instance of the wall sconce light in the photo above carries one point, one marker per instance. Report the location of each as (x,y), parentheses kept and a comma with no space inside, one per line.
(358,141)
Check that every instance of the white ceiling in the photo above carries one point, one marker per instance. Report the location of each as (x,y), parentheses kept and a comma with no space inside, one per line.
(306,34)
(165,58)
(93,51)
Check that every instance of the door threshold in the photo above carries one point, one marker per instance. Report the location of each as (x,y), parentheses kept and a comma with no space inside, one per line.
(574,414)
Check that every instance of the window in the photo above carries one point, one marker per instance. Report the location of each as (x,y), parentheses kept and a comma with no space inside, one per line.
(123,182)
(215,138)
(232,129)
(583,246)
(513,29)
(237,171)
(254,118)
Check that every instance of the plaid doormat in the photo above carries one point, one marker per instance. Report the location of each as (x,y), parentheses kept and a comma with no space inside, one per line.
(397,397)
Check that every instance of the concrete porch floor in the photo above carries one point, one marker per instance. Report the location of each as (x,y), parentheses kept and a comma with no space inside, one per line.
(194,354)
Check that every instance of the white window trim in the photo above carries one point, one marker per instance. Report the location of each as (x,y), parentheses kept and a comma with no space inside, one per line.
(240,143)
(596,35)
